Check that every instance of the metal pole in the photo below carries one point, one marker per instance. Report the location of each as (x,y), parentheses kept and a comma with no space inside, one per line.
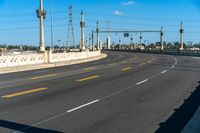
(181,36)
(140,40)
(161,38)
(97,30)
(131,44)
(51,25)
(92,40)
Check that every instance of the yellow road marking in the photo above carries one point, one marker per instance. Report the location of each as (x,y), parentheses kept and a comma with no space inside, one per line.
(23,93)
(90,68)
(88,78)
(125,69)
(45,76)
(112,64)
(142,64)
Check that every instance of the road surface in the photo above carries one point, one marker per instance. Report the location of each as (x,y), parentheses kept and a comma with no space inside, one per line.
(124,93)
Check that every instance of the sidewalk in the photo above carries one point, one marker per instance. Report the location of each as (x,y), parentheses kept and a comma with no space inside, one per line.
(193,126)
(48,65)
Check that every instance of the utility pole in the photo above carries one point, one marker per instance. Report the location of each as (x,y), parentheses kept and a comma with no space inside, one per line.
(161,38)
(41,14)
(70,30)
(97,31)
(82,23)
(181,37)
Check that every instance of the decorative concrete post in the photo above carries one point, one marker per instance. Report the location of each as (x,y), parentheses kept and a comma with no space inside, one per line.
(97,30)
(82,24)
(161,38)
(92,40)
(140,40)
(181,37)
(100,44)
(41,14)
(108,42)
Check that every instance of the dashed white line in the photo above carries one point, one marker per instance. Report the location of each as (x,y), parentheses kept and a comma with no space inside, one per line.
(57,116)
(139,83)
(163,72)
(82,106)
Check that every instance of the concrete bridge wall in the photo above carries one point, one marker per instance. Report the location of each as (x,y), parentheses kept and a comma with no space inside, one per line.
(47,57)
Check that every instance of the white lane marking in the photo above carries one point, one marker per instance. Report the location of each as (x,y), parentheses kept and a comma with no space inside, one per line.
(82,106)
(163,72)
(56,116)
(43,71)
(139,83)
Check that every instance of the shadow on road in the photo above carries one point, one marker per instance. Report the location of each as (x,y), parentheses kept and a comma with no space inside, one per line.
(20,127)
(181,117)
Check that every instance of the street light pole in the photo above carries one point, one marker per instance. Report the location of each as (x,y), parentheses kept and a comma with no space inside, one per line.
(41,14)
(181,37)
(51,23)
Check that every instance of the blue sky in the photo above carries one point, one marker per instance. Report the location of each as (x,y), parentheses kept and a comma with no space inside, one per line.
(19,24)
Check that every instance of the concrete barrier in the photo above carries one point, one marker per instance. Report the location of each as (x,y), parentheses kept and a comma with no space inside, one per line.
(20,60)
(167,52)
(46,57)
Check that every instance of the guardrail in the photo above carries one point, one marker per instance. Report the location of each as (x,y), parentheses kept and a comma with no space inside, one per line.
(169,52)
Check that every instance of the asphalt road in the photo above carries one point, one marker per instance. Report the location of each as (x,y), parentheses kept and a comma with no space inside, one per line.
(124,93)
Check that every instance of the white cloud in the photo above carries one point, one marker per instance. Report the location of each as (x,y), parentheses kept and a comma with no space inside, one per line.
(118,13)
(128,3)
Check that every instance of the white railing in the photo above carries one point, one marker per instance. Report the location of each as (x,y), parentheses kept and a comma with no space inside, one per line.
(62,57)
(39,58)
(20,60)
